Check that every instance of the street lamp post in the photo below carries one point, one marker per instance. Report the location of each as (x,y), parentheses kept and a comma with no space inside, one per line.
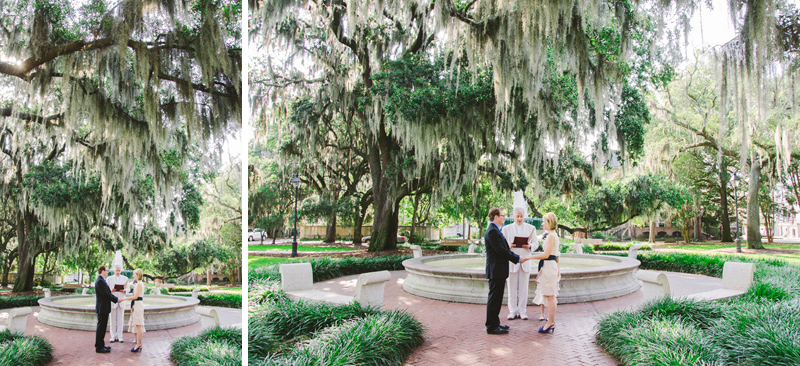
(296,183)
(736,203)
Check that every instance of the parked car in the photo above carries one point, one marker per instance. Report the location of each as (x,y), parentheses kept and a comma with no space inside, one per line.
(257,234)
(400,239)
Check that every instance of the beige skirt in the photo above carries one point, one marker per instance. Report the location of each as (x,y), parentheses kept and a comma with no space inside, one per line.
(137,316)
(548,282)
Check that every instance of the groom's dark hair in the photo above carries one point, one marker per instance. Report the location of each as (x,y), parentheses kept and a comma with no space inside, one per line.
(101,269)
(494,211)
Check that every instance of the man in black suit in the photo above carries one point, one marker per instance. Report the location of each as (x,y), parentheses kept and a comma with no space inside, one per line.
(498,255)
(102,307)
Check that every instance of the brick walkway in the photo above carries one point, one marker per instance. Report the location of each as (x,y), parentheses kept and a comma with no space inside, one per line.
(76,348)
(455,334)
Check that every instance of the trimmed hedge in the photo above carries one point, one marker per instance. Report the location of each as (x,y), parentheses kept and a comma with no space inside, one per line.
(186,289)
(225,300)
(218,346)
(8,302)
(757,328)
(618,247)
(18,349)
(325,268)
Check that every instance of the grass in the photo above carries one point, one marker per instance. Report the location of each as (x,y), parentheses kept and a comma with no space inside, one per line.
(300,248)
(8,302)
(216,346)
(18,349)
(326,268)
(723,246)
(757,328)
(256,262)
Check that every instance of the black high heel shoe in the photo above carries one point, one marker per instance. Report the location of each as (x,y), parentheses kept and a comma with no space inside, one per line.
(550,329)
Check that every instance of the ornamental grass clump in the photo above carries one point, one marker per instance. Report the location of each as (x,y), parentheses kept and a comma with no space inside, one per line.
(18,349)
(760,327)
(379,339)
(218,346)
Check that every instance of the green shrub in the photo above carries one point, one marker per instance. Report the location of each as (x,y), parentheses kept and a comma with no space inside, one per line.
(186,289)
(79,291)
(380,339)
(18,349)
(216,346)
(618,247)
(8,302)
(222,299)
(761,333)
(325,268)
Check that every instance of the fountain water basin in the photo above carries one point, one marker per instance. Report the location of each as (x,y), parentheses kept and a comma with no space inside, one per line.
(78,312)
(462,278)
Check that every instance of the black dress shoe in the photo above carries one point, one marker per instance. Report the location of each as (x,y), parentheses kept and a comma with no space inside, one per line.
(103,350)
(501,326)
(107,347)
(497,331)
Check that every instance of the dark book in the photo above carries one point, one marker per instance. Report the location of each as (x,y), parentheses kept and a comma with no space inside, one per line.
(119,287)
(519,241)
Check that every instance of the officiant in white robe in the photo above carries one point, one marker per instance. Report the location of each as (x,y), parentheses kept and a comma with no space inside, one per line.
(522,239)
(119,287)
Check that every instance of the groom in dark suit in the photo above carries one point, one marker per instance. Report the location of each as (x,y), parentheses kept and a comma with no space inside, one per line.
(497,257)
(102,307)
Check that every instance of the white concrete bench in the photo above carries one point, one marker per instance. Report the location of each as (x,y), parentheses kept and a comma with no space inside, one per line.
(46,293)
(297,281)
(589,241)
(736,279)
(417,251)
(208,316)
(633,251)
(654,282)
(578,248)
(472,247)
(195,292)
(17,320)
(85,290)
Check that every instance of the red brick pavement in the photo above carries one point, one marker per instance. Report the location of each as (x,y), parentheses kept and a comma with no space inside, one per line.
(76,348)
(455,334)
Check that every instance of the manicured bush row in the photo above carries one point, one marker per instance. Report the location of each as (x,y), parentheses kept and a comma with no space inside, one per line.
(218,346)
(225,300)
(18,349)
(8,302)
(186,289)
(617,247)
(326,268)
(757,328)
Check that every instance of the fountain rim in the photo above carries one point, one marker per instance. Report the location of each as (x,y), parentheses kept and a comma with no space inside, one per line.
(619,264)
(48,302)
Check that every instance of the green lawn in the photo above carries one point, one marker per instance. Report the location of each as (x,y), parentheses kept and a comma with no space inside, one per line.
(300,248)
(720,246)
(255,262)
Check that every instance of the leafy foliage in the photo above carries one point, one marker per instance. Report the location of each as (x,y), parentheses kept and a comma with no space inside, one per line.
(214,346)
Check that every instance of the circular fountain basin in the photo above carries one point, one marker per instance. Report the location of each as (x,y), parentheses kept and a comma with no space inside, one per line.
(78,312)
(462,278)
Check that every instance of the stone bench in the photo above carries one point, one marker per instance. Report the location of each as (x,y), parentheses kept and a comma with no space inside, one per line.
(417,251)
(71,286)
(654,282)
(297,281)
(578,248)
(633,251)
(736,279)
(208,316)
(455,243)
(17,320)
(46,293)
(195,292)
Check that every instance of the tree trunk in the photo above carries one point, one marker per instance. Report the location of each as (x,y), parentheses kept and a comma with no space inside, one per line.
(208,276)
(652,238)
(26,258)
(725,216)
(384,225)
(411,238)
(6,269)
(753,209)
(330,230)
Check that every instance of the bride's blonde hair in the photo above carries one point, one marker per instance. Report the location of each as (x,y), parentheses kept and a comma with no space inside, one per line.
(138,274)
(549,221)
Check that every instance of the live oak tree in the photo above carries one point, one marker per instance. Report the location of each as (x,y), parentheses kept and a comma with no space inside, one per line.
(117,92)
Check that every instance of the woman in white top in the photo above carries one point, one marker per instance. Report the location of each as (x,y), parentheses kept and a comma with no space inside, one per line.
(521,238)
(136,322)
(547,286)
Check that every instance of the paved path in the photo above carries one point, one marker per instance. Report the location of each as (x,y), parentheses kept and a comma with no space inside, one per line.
(76,348)
(455,334)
